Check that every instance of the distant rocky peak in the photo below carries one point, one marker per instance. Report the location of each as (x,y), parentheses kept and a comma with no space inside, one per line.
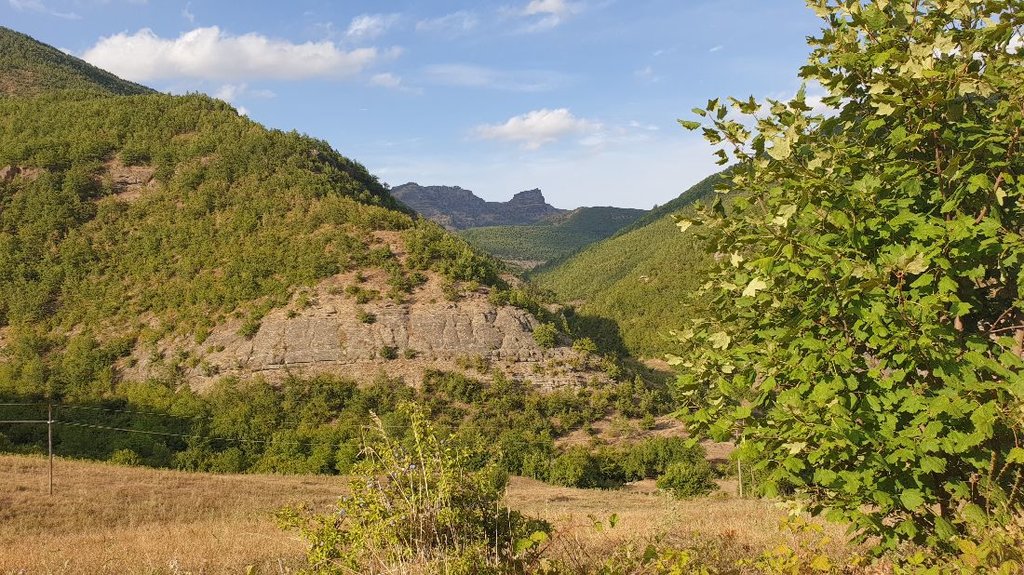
(528,198)
(459,208)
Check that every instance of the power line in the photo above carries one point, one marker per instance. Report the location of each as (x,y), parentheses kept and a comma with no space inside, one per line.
(114,410)
(184,435)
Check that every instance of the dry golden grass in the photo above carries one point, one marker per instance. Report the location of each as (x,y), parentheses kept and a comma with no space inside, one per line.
(743,527)
(108,519)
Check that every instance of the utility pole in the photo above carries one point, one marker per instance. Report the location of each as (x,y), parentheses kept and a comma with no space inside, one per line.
(49,440)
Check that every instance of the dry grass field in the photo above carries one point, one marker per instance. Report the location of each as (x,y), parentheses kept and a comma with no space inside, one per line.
(108,519)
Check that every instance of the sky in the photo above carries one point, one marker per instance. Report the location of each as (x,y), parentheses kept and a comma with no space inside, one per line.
(576,97)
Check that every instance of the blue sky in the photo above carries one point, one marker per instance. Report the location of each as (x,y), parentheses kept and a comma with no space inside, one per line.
(576,97)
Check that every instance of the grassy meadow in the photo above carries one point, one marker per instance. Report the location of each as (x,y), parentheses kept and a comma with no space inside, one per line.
(112,519)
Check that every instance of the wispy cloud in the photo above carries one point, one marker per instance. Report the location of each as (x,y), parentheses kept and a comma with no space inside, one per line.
(716,48)
(39,6)
(232,92)
(187,14)
(534,129)
(211,54)
(647,74)
(459,22)
(471,76)
(548,14)
(370,26)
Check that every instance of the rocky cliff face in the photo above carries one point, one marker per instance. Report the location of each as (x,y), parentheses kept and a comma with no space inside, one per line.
(458,208)
(325,330)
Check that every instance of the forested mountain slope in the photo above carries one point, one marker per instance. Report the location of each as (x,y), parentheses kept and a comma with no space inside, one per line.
(638,278)
(31,67)
(135,228)
(554,238)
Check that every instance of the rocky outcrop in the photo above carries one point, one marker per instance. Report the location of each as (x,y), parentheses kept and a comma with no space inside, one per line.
(129,183)
(334,334)
(458,208)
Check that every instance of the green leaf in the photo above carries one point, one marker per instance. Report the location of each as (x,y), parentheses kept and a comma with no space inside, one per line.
(1016,455)
(689,124)
(720,340)
(784,214)
(912,499)
(755,285)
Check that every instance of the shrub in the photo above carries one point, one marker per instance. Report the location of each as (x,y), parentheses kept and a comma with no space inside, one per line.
(249,328)
(125,457)
(388,352)
(365,316)
(420,508)
(579,467)
(546,335)
(688,479)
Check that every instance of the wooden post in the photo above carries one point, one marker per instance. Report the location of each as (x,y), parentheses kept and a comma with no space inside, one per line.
(49,439)
(739,474)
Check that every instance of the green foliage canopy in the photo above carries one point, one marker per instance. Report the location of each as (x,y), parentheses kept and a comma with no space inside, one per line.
(865,322)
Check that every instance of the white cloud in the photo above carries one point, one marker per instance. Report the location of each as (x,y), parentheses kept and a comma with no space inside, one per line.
(548,14)
(187,14)
(1016,43)
(553,7)
(386,80)
(455,23)
(536,128)
(211,54)
(716,48)
(370,26)
(640,126)
(470,76)
(232,92)
(38,6)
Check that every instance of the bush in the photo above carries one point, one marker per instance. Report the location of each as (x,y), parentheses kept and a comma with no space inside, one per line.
(125,457)
(579,467)
(688,479)
(546,335)
(388,352)
(420,508)
(249,329)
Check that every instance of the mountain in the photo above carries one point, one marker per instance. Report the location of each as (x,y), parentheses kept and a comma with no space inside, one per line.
(31,67)
(532,245)
(167,238)
(640,277)
(457,209)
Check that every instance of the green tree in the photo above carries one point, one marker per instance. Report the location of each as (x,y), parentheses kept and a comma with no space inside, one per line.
(865,323)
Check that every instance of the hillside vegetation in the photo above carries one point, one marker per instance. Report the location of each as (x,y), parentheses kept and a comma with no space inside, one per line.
(639,278)
(554,238)
(149,216)
(31,67)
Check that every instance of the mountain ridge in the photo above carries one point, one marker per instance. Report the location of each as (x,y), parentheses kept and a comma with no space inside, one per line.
(457,208)
(32,67)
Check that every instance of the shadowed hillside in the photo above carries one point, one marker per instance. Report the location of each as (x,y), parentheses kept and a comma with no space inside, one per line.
(639,277)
